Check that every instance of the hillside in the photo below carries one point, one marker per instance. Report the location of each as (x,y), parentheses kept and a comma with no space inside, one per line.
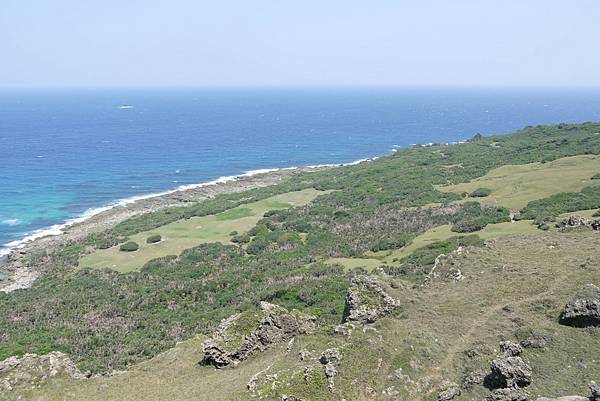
(394,279)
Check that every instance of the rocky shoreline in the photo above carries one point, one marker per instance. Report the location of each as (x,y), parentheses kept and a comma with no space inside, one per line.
(20,274)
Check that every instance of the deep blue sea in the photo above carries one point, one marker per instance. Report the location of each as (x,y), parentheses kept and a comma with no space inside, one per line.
(63,153)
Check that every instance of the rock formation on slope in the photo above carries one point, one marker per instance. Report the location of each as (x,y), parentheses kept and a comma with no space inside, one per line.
(584,309)
(367,301)
(31,370)
(241,335)
(509,374)
(578,222)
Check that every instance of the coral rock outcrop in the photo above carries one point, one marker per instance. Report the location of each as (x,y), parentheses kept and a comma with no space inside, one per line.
(244,334)
(367,301)
(584,309)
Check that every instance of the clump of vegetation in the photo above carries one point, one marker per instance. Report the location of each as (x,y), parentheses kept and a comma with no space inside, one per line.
(596,213)
(480,193)
(596,176)
(153,239)
(420,262)
(233,233)
(129,246)
(467,226)
(565,202)
(473,217)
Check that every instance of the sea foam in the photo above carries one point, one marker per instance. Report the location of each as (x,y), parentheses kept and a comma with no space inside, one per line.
(58,229)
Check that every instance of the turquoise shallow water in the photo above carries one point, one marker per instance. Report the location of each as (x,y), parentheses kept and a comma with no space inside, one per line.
(63,153)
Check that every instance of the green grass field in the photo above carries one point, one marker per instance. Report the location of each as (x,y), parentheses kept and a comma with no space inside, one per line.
(185,234)
(514,186)
(518,284)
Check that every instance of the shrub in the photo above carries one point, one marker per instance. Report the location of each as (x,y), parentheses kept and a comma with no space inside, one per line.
(596,213)
(466,226)
(241,239)
(153,239)
(596,176)
(129,247)
(480,193)
(233,233)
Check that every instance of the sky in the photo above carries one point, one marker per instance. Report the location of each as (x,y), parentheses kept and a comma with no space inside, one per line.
(197,43)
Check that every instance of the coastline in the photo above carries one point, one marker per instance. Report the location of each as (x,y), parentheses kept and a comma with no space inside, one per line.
(19,274)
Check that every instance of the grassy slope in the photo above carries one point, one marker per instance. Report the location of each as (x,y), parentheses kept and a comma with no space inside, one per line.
(515,284)
(514,186)
(187,233)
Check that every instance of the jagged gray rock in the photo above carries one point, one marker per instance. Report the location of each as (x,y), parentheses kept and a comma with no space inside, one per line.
(584,309)
(242,335)
(509,369)
(327,358)
(536,339)
(595,391)
(578,222)
(509,373)
(367,301)
(449,394)
(473,378)
(508,394)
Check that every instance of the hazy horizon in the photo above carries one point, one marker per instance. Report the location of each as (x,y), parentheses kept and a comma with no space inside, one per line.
(266,44)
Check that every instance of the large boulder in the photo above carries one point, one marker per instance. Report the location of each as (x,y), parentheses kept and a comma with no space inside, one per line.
(584,309)
(367,301)
(244,334)
(508,370)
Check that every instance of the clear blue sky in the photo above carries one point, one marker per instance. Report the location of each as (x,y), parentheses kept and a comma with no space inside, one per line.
(92,43)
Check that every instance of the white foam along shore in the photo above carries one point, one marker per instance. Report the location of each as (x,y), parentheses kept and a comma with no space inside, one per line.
(58,229)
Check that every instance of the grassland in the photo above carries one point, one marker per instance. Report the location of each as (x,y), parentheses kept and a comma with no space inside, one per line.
(514,186)
(517,284)
(187,233)
(367,264)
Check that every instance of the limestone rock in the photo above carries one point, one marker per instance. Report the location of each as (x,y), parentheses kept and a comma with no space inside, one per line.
(595,391)
(449,394)
(584,309)
(367,301)
(244,334)
(509,370)
(573,222)
(535,340)
(32,369)
(507,394)
(327,358)
(330,355)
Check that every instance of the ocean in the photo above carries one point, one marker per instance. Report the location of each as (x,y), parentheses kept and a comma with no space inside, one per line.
(66,153)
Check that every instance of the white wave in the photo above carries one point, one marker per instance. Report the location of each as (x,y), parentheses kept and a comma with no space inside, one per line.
(58,229)
(11,222)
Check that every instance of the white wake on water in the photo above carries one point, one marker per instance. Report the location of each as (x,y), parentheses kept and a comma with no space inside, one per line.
(57,229)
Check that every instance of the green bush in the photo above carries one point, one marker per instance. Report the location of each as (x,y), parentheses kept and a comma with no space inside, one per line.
(129,247)
(153,239)
(233,233)
(480,193)
(596,176)
(596,213)
(466,226)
